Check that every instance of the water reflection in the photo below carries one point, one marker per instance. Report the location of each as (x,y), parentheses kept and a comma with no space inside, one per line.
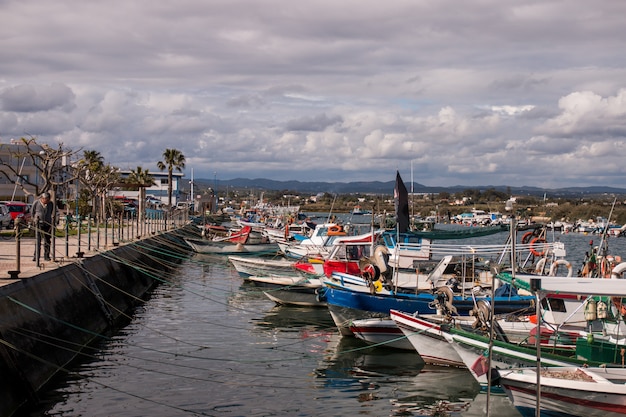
(401,378)
(289,318)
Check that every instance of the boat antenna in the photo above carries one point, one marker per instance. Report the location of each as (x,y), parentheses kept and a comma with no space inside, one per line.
(412,193)
(331,209)
(605,231)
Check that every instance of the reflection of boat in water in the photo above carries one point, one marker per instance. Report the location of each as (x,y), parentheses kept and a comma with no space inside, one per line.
(438,391)
(499,405)
(291,318)
(349,359)
(411,387)
(298,290)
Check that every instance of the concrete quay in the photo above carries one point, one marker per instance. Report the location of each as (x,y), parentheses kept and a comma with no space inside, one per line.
(49,311)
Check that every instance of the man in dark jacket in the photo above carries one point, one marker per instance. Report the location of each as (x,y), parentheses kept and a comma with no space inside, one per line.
(42,213)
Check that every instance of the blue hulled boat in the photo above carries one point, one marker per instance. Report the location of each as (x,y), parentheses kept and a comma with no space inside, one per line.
(347,304)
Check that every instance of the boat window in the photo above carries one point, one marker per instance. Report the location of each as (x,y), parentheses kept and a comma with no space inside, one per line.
(388,241)
(353,253)
(554,304)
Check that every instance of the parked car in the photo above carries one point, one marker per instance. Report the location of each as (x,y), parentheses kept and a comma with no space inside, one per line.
(5,217)
(18,210)
(153,202)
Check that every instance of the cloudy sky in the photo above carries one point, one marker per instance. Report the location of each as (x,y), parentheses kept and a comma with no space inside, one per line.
(484,92)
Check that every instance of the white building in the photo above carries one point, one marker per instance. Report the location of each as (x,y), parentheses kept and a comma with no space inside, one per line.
(158,190)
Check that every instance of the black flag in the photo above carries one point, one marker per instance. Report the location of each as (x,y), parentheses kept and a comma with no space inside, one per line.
(401,199)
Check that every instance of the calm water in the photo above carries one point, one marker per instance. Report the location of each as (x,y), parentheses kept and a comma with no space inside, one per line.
(209,344)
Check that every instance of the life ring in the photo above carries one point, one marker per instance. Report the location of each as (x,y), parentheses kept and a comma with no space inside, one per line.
(381,257)
(335,230)
(617,272)
(371,272)
(482,312)
(534,251)
(446,292)
(527,236)
(619,305)
(561,262)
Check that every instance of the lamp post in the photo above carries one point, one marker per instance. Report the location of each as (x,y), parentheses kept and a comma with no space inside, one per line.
(215,188)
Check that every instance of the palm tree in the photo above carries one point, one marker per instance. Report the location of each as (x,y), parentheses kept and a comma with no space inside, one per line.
(141,179)
(172,159)
(89,168)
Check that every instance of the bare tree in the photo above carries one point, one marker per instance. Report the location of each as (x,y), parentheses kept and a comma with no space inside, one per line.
(51,165)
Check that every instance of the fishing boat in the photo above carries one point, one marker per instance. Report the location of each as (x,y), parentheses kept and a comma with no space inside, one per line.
(295,290)
(317,244)
(358,211)
(567,391)
(253,265)
(322,240)
(347,305)
(570,348)
(230,248)
(427,339)
(380,332)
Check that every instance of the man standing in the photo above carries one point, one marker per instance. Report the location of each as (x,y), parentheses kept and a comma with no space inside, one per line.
(41,213)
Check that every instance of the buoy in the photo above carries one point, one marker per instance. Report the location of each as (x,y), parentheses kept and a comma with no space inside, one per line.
(590,310)
(602,312)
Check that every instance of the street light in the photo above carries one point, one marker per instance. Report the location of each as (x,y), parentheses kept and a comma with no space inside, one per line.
(215,189)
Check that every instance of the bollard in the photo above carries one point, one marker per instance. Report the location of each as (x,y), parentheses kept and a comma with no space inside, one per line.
(106,233)
(14,274)
(67,235)
(89,232)
(79,253)
(37,243)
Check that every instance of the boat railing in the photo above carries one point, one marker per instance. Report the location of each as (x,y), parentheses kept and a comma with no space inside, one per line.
(483,250)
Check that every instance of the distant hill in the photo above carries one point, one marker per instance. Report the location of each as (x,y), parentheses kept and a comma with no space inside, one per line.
(378,187)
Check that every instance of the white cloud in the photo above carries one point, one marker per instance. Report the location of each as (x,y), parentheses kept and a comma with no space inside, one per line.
(494,93)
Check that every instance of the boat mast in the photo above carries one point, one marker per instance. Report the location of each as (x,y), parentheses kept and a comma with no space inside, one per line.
(412,205)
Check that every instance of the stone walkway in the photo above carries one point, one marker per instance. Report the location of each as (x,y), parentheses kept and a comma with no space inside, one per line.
(63,252)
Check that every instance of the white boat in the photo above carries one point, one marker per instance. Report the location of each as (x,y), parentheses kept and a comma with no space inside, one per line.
(295,290)
(567,391)
(317,244)
(358,211)
(247,266)
(227,247)
(428,339)
(381,332)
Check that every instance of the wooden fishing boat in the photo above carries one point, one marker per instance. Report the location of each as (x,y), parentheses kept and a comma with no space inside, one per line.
(295,290)
(347,304)
(252,265)
(225,247)
(380,332)
(567,391)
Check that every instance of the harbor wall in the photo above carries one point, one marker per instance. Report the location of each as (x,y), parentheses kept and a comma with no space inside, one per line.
(46,319)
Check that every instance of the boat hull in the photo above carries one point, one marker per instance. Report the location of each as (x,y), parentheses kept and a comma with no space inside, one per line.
(247,266)
(563,397)
(346,305)
(228,248)
(381,332)
(428,340)
(296,291)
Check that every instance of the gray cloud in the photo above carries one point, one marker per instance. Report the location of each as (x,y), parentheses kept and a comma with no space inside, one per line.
(521,93)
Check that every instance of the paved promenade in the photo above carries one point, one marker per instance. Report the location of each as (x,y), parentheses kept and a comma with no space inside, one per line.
(64,249)
(28,267)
